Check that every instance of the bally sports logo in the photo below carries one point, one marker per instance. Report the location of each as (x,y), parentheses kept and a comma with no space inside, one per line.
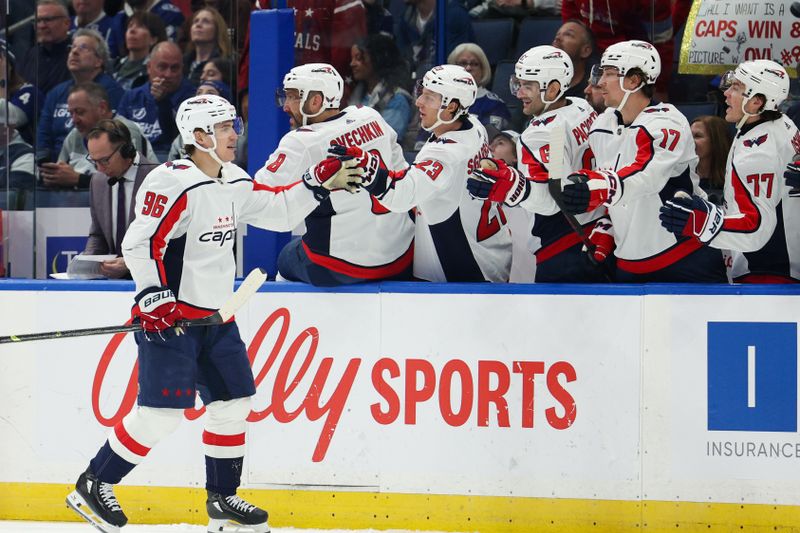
(478,393)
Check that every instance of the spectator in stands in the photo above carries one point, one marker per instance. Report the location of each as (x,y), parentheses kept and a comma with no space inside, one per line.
(144,31)
(712,142)
(576,39)
(488,107)
(16,160)
(153,105)
(23,98)
(236,14)
(623,20)
(177,149)
(518,9)
(46,63)
(170,14)
(219,69)
(208,39)
(592,92)
(415,33)
(120,170)
(87,61)
(381,81)
(90,14)
(326,31)
(379,19)
(504,145)
(87,105)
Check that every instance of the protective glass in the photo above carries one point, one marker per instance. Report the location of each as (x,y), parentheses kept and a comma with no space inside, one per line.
(594,75)
(103,160)
(280,97)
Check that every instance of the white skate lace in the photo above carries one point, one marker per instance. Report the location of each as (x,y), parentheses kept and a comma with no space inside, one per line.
(239,504)
(106,491)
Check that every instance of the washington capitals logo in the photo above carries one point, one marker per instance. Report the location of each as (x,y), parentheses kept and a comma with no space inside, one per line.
(553,55)
(656,109)
(328,70)
(640,44)
(758,141)
(544,121)
(467,81)
(177,166)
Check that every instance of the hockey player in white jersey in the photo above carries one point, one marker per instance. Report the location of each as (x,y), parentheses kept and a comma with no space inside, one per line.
(541,77)
(643,152)
(349,238)
(179,250)
(760,223)
(457,238)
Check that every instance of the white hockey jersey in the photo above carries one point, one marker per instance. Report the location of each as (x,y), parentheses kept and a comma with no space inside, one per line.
(457,238)
(761,227)
(653,157)
(348,233)
(185,229)
(533,156)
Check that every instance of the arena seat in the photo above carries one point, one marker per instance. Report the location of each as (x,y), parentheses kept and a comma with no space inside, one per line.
(494,36)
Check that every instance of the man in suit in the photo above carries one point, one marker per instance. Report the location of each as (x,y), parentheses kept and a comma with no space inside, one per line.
(120,172)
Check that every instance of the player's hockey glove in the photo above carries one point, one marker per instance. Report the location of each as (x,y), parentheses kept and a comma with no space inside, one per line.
(369,161)
(691,216)
(587,189)
(157,311)
(602,237)
(332,174)
(792,177)
(498,182)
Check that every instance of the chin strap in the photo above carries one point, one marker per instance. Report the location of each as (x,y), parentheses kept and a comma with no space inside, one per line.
(440,121)
(303,105)
(627,93)
(746,116)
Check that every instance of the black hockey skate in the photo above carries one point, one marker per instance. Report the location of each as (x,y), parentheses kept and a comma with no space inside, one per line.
(236,513)
(96,503)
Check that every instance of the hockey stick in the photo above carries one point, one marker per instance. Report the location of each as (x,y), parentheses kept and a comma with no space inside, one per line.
(248,288)
(556,173)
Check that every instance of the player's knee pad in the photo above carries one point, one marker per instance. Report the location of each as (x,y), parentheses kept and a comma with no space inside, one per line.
(225,424)
(141,430)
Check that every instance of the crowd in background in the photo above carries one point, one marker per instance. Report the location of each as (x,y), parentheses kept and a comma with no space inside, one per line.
(78,62)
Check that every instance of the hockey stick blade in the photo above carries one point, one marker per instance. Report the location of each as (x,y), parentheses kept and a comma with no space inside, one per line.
(248,288)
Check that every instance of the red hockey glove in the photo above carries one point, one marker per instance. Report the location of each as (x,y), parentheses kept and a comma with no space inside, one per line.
(602,237)
(691,216)
(498,182)
(587,189)
(369,161)
(333,174)
(157,310)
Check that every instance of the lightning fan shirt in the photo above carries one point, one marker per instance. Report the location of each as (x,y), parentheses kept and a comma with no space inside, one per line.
(533,156)
(457,238)
(348,233)
(652,157)
(761,227)
(185,229)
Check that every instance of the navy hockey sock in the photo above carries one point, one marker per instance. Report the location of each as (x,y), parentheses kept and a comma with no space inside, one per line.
(109,467)
(223,475)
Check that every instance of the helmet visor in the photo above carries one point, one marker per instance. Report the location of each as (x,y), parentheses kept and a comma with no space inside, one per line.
(727,80)
(594,75)
(280,97)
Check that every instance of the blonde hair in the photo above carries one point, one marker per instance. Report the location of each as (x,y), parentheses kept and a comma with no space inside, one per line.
(221,28)
(478,52)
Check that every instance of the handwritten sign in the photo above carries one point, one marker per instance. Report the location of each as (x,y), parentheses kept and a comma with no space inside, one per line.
(721,34)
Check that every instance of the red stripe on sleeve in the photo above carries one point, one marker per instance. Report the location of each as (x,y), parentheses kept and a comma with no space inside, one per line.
(277,190)
(644,154)
(129,442)
(534,168)
(159,241)
(214,439)
(750,218)
(355,271)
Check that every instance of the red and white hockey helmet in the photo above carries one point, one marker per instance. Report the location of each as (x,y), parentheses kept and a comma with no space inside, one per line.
(627,55)
(761,76)
(544,64)
(453,83)
(320,77)
(203,112)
